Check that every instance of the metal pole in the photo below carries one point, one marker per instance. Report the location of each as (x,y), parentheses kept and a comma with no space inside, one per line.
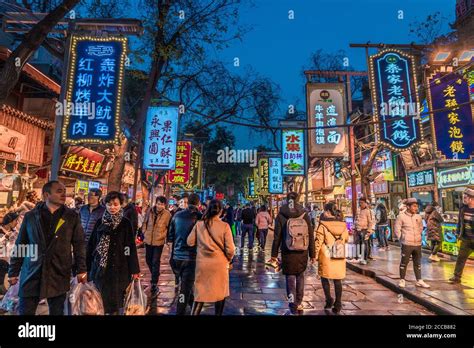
(353,171)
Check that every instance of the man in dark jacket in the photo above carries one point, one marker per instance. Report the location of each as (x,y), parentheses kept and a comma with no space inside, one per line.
(47,234)
(465,233)
(130,212)
(293,262)
(91,212)
(248,220)
(183,257)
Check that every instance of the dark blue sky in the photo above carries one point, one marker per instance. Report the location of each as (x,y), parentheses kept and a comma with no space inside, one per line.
(279,48)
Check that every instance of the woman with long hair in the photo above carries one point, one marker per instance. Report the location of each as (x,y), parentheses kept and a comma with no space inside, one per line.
(112,259)
(215,250)
(263,221)
(330,266)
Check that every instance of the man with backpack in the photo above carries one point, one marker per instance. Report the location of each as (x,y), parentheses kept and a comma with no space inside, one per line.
(381,217)
(294,237)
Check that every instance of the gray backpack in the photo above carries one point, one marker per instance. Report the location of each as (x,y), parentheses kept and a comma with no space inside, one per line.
(297,234)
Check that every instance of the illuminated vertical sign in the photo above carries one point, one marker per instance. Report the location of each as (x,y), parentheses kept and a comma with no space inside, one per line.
(452,124)
(293,152)
(94,89)
(395,97)
(327,108)
(275,182)
(263,175)
(180,175)
(251,188)
(161,134)
(195,172)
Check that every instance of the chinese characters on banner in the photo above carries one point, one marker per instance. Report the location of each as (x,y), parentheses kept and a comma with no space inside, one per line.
(421,178)
(275,182)
(94,90)
(395,97)
(453,126)
(180,175)
(456,177)
(327,108)
(256,180)
(263,174)
(196,169)
(161,134)
(293,154)
(83,161)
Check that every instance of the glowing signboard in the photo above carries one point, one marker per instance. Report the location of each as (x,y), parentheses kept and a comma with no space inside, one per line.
(293,154)
(275,185)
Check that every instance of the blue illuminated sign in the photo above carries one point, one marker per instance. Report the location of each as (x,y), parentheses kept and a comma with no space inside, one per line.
(94,90)
(275,175)
(161,135)
(393,82)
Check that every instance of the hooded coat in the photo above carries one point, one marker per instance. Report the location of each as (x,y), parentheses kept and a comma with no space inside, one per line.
(328,231)
(292,261)
(433,223)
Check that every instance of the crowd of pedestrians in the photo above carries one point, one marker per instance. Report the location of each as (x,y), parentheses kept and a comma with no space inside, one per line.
(97,242)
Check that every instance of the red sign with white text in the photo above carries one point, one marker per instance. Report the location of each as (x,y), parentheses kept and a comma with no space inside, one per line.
(180,175)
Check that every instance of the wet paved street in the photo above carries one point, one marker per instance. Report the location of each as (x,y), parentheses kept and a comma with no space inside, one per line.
(257,291)
(456,298)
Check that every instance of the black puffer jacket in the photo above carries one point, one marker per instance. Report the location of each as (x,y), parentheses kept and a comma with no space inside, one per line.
(293,262)
(433,223)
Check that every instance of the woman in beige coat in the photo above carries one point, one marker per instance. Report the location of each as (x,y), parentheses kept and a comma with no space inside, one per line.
(215,250)
(330,230)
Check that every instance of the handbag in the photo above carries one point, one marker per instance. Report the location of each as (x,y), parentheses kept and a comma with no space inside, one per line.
(220,247)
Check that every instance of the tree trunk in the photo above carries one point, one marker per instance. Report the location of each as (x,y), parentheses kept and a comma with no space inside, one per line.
(365,171)
(11,71)
(116,174)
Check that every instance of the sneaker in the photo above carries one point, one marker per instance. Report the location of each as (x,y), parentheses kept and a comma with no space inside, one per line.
(401,283)
(363,262)
(422,284)
(336,310)
(455,280)
(435,258)
(300,308)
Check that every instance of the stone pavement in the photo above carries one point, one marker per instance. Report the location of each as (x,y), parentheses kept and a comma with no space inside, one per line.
(254,290)
(442,297)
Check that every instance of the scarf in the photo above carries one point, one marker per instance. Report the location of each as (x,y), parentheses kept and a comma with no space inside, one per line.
(112,221)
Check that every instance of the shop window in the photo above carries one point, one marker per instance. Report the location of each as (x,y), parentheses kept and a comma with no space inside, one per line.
(451,200)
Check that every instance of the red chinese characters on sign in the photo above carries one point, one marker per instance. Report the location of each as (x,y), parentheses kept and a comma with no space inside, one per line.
(180,175)
(83,161)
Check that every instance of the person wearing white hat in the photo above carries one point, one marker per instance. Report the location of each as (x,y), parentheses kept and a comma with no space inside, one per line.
(408,229)
(465,230)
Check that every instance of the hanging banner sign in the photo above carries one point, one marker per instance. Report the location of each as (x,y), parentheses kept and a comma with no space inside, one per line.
(421,178)
(456,177)
(263,175)
(94,87)
(326,107)
(161,135)
(180,175)
(395,98)
(453,125)
(293,154)
(196,170)
(275,182)
(251,188)
(83,161)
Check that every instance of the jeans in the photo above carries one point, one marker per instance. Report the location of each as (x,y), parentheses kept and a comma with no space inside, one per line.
(435,246)
(407,251)
(153,260)
(467,247)
(247,228)
(337,289)
(185,271)
(238,228)
(28,305)
(382,235)
(295,289)
(364,245)
(262,237)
